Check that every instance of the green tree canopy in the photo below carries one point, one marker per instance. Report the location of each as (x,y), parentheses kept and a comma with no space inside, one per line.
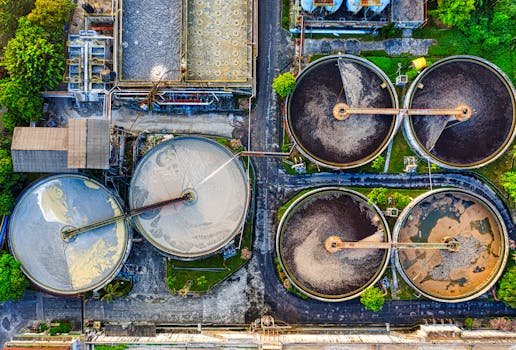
(378,196)
(284,84)
(507,285)
(10,12)
(51,15)
(12,280)
(454,13)
(378,163)
(32,59)
(34,64)
(372,299)
(401,200)
(508,181)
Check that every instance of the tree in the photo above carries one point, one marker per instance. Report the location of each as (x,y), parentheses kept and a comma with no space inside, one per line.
(13,282)
(378,196)
(10,12)
(508,181)
(454,13)
(401,200)
(284,84)
(51,15)
(507,286)
(111,291)
(372,299)
(378,163)
(32,59)
(34,64)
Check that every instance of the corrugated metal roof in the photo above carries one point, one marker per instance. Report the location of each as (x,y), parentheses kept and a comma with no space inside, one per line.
(97,144)
(40,139)
(77,132)
(83,145)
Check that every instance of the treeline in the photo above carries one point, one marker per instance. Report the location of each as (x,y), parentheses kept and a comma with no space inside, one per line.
(491,23)
(32,35)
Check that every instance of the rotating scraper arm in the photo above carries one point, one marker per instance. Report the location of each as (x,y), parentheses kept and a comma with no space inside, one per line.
(69,233)
(334,244)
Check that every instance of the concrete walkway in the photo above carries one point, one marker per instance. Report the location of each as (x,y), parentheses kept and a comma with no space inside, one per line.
(393,47)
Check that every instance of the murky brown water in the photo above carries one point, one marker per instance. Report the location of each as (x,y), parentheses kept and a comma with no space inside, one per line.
(446,274)
(339,143)
(306,229)
(474,140)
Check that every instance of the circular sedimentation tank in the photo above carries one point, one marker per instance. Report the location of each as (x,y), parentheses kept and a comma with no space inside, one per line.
(313,121)
(475,227)
(307,227)
(216,183)
(462,81)
(63,266)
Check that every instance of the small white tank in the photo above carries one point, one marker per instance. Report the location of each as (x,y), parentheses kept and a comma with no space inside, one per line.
(353,6)
(336,6)
(308,6)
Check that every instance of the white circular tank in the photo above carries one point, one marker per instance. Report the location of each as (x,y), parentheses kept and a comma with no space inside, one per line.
(62,266)
(215,179)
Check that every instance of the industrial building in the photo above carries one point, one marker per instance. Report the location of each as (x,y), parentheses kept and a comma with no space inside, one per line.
(186,43)
(217,190)
(307,231)
(84,144)
(355,16)
(63,264)
(314,118)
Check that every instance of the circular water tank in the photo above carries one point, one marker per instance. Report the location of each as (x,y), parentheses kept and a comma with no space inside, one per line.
(219,189)
(472,224)
(323,86)
(311,222)
(62,266)
(462,81)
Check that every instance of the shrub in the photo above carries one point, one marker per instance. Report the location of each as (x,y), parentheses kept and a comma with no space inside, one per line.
(284,84)
(507,286)
(378,196)
(454,13)
(13,282)
(378,163)
(372,299)
(468,323)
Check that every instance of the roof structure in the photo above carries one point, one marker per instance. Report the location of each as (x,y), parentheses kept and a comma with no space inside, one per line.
(83,145)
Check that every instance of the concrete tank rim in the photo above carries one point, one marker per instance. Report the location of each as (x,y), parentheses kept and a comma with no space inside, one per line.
(176,254)
(313,191)
(420,149)
(119,265)
(394,99)
(494,211)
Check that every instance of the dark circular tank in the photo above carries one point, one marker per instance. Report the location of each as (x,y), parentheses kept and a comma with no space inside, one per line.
(306,227)
(341,143)
(468,81)
(446,215)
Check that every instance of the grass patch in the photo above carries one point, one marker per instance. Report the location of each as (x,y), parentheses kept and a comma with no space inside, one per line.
(454,42)
(400,149)
(183,273)
(111,347)
(284,207)
(496,169)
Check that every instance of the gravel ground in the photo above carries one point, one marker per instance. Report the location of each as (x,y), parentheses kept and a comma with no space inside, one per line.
(151,40)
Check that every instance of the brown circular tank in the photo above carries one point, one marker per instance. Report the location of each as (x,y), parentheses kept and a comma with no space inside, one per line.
(312,117)
(477,230)
(476,140)
(304,233)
